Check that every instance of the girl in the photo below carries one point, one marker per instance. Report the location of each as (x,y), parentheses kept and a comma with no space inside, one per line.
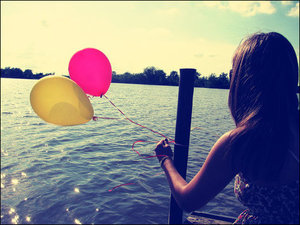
(262,152)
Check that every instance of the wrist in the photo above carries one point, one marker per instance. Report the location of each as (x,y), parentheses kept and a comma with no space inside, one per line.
(163,160)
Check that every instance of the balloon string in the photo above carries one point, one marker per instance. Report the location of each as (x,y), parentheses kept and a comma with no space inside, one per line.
(157,174)
(136,122)
(95,118)
(119,186)
(146,157)
(132,147)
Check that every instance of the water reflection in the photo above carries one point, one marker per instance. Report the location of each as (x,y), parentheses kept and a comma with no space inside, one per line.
(24,174)
(4,153)
(11,211)
(76,221)
(15,220)
(56,161)
(14,181)
(2,177)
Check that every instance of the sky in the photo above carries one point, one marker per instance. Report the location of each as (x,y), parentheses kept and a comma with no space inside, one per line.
(169,35)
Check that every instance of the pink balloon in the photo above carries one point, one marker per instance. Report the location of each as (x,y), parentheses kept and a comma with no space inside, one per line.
(91,70)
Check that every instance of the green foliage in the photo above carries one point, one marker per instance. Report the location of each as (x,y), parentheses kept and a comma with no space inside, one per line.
(18,73)
(173,78)
(150,75)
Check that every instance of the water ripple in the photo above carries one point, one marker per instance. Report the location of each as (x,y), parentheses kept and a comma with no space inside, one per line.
(52,174)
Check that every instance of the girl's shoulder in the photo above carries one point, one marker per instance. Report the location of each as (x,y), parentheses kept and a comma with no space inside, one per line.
(222,147)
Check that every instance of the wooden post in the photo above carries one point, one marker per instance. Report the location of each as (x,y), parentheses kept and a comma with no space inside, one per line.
(182,134)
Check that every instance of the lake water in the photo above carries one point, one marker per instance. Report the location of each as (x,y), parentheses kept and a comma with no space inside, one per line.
(53,174)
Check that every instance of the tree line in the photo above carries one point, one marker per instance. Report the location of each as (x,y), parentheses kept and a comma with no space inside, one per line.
(18,73)
(150,75)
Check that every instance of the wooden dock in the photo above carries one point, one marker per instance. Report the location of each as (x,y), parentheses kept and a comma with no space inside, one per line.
(208,218)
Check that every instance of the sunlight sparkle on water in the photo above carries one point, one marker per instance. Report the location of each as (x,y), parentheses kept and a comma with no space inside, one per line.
(15,220)
(76,221)
(76,190)
(28,219)
(4,152)
(14,181)
(11,211)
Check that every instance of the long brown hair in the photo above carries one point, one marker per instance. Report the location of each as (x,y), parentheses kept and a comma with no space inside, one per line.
(263,103)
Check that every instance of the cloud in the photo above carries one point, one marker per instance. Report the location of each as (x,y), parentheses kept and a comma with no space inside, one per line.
(286,2)
(215,4)
(160,47)
(199,55)
(245,8)
(44,23)
(294,12)
(266,7)
(168,12)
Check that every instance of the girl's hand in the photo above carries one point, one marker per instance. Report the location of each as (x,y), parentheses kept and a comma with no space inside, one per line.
(163,151)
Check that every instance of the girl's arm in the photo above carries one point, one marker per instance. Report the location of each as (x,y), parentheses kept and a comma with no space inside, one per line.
(212,178)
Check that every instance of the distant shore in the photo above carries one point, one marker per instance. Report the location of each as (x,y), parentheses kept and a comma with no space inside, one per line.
(150,76)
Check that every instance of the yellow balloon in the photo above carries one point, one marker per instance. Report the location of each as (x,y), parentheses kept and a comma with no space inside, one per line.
(59,100)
